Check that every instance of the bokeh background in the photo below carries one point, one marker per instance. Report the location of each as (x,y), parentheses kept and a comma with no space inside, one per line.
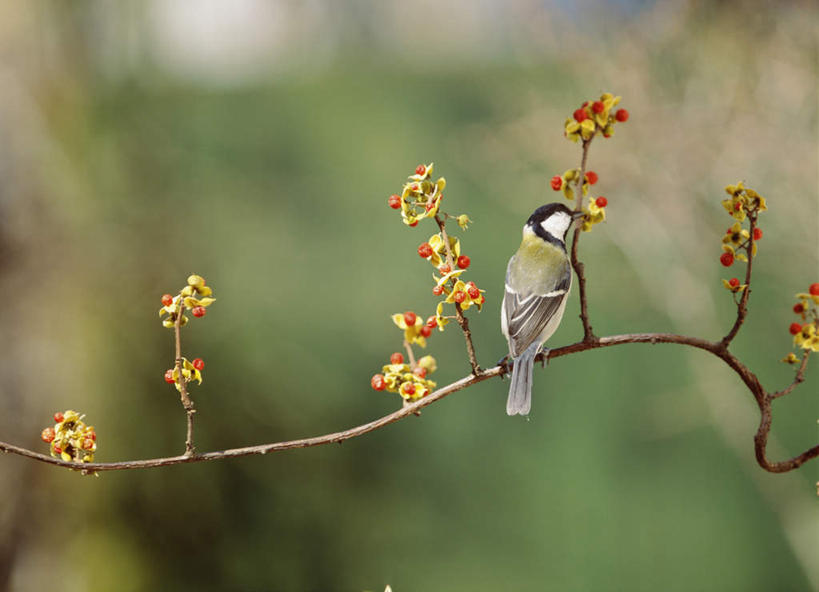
(255,142)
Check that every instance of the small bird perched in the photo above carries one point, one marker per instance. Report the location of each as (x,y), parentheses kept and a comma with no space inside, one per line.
(538,280)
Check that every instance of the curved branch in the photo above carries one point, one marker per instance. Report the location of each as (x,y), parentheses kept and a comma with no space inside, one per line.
(762,398)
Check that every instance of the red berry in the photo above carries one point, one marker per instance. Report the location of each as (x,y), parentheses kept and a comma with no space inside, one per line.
(795,328)
(591,177)
(413,224)
(798,308)
(437,290)
(459,296)
(167,300)
(621,115)
(87,444)
(169,376)
(483,298)
(757,233)
(605,135)
(598,106)
(414,187)
(473,292)
(601,202)
(395,201)
(58,417)
(408,388)
(426,331)
(397,358)
(737,206)
(445,268)
(814,289)
(580,115)
(48,435)
(420,169)
(727,259)
(733,282)
(429,206)
(557,182)
(58,450)
(92,435)
(410,318)
(420,372)
(378,383)
(198,311)
(199,364)
(464,261)
(432,322)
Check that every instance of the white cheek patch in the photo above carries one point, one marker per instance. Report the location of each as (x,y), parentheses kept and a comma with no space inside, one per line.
(557,224)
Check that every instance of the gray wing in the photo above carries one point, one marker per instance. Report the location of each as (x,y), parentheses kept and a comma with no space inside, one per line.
(527,315)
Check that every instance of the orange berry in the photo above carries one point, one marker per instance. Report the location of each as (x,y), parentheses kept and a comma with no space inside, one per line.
(420,372)
(757,233)
(394,201)
(445,268)
(198,311)
(601,202)
(459,296)
(420,169)
(557,182)
(169,376)
(426,331)
(397,358)
(591,177)
(473,292)
(408,388)
(199,364)
(727,259)
(410,318)
(814,289)
(598,106)
(795,328)
(378,382)
(48,435)
(432,322)
(167,300)
(58,417)
(580,115)
(464,261)
(733,282)
(437,290)
(621,115)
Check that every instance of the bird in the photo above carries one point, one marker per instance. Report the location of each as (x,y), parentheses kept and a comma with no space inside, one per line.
(538,280)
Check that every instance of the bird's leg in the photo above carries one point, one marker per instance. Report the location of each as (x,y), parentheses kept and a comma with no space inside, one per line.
(545,359)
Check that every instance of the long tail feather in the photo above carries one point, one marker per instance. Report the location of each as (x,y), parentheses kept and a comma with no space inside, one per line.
(520,387)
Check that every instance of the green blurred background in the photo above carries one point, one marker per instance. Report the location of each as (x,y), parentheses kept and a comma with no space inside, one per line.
(255,143)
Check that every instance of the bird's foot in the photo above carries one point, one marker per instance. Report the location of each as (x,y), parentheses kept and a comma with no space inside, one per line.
(505,364)
(545,356)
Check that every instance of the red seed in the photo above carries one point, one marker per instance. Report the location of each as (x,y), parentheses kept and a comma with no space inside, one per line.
(798,308)
(459,296)
(733,282)
(429,206)
(580,115)
(473,292)
(87,444)
(414,187)
(445,268)
(58,417)
(408,388)
(437,290)
(727,259)
(58,450)
(92,435)
(432,322)
(557,182)
(483,298)
(169,376)
(378,382)
(425,250)
(397,358)
(601,202)
(167,300)
(395,201)
(48,435)
(598,106)
(420,169)
(814,289)
(420,372)
(463,261)
(591,177)
(737,206)
(198,311)
(795,328)
(426,331)
(413,224)
(199,364)
(410,318)
(621,115)
(757,233)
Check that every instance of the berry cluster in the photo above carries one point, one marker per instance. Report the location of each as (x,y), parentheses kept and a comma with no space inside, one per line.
(70,438)
(409,381)
(595,210)
(190,371)
(740,243)
(805,333)
(195,297)
(421,198)
(595,117)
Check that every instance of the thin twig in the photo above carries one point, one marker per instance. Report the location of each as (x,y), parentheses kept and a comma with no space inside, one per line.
(742,307)
(797,380)
(410,354)
(750,380)
(588,333)
(463,322)
(187,403)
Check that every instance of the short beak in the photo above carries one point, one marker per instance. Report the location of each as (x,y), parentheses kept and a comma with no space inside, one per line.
(576,215)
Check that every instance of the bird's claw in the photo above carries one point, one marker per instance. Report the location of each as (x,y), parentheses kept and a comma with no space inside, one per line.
(545,356)
(505,364)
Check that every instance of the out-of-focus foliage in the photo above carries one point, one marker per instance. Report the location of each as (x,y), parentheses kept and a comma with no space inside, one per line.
(257,145)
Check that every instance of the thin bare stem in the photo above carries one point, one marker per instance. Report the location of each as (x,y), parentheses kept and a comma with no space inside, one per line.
(797,380)
(187,403)
(588,333)
(463,322)
(742,307)
(410,354)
